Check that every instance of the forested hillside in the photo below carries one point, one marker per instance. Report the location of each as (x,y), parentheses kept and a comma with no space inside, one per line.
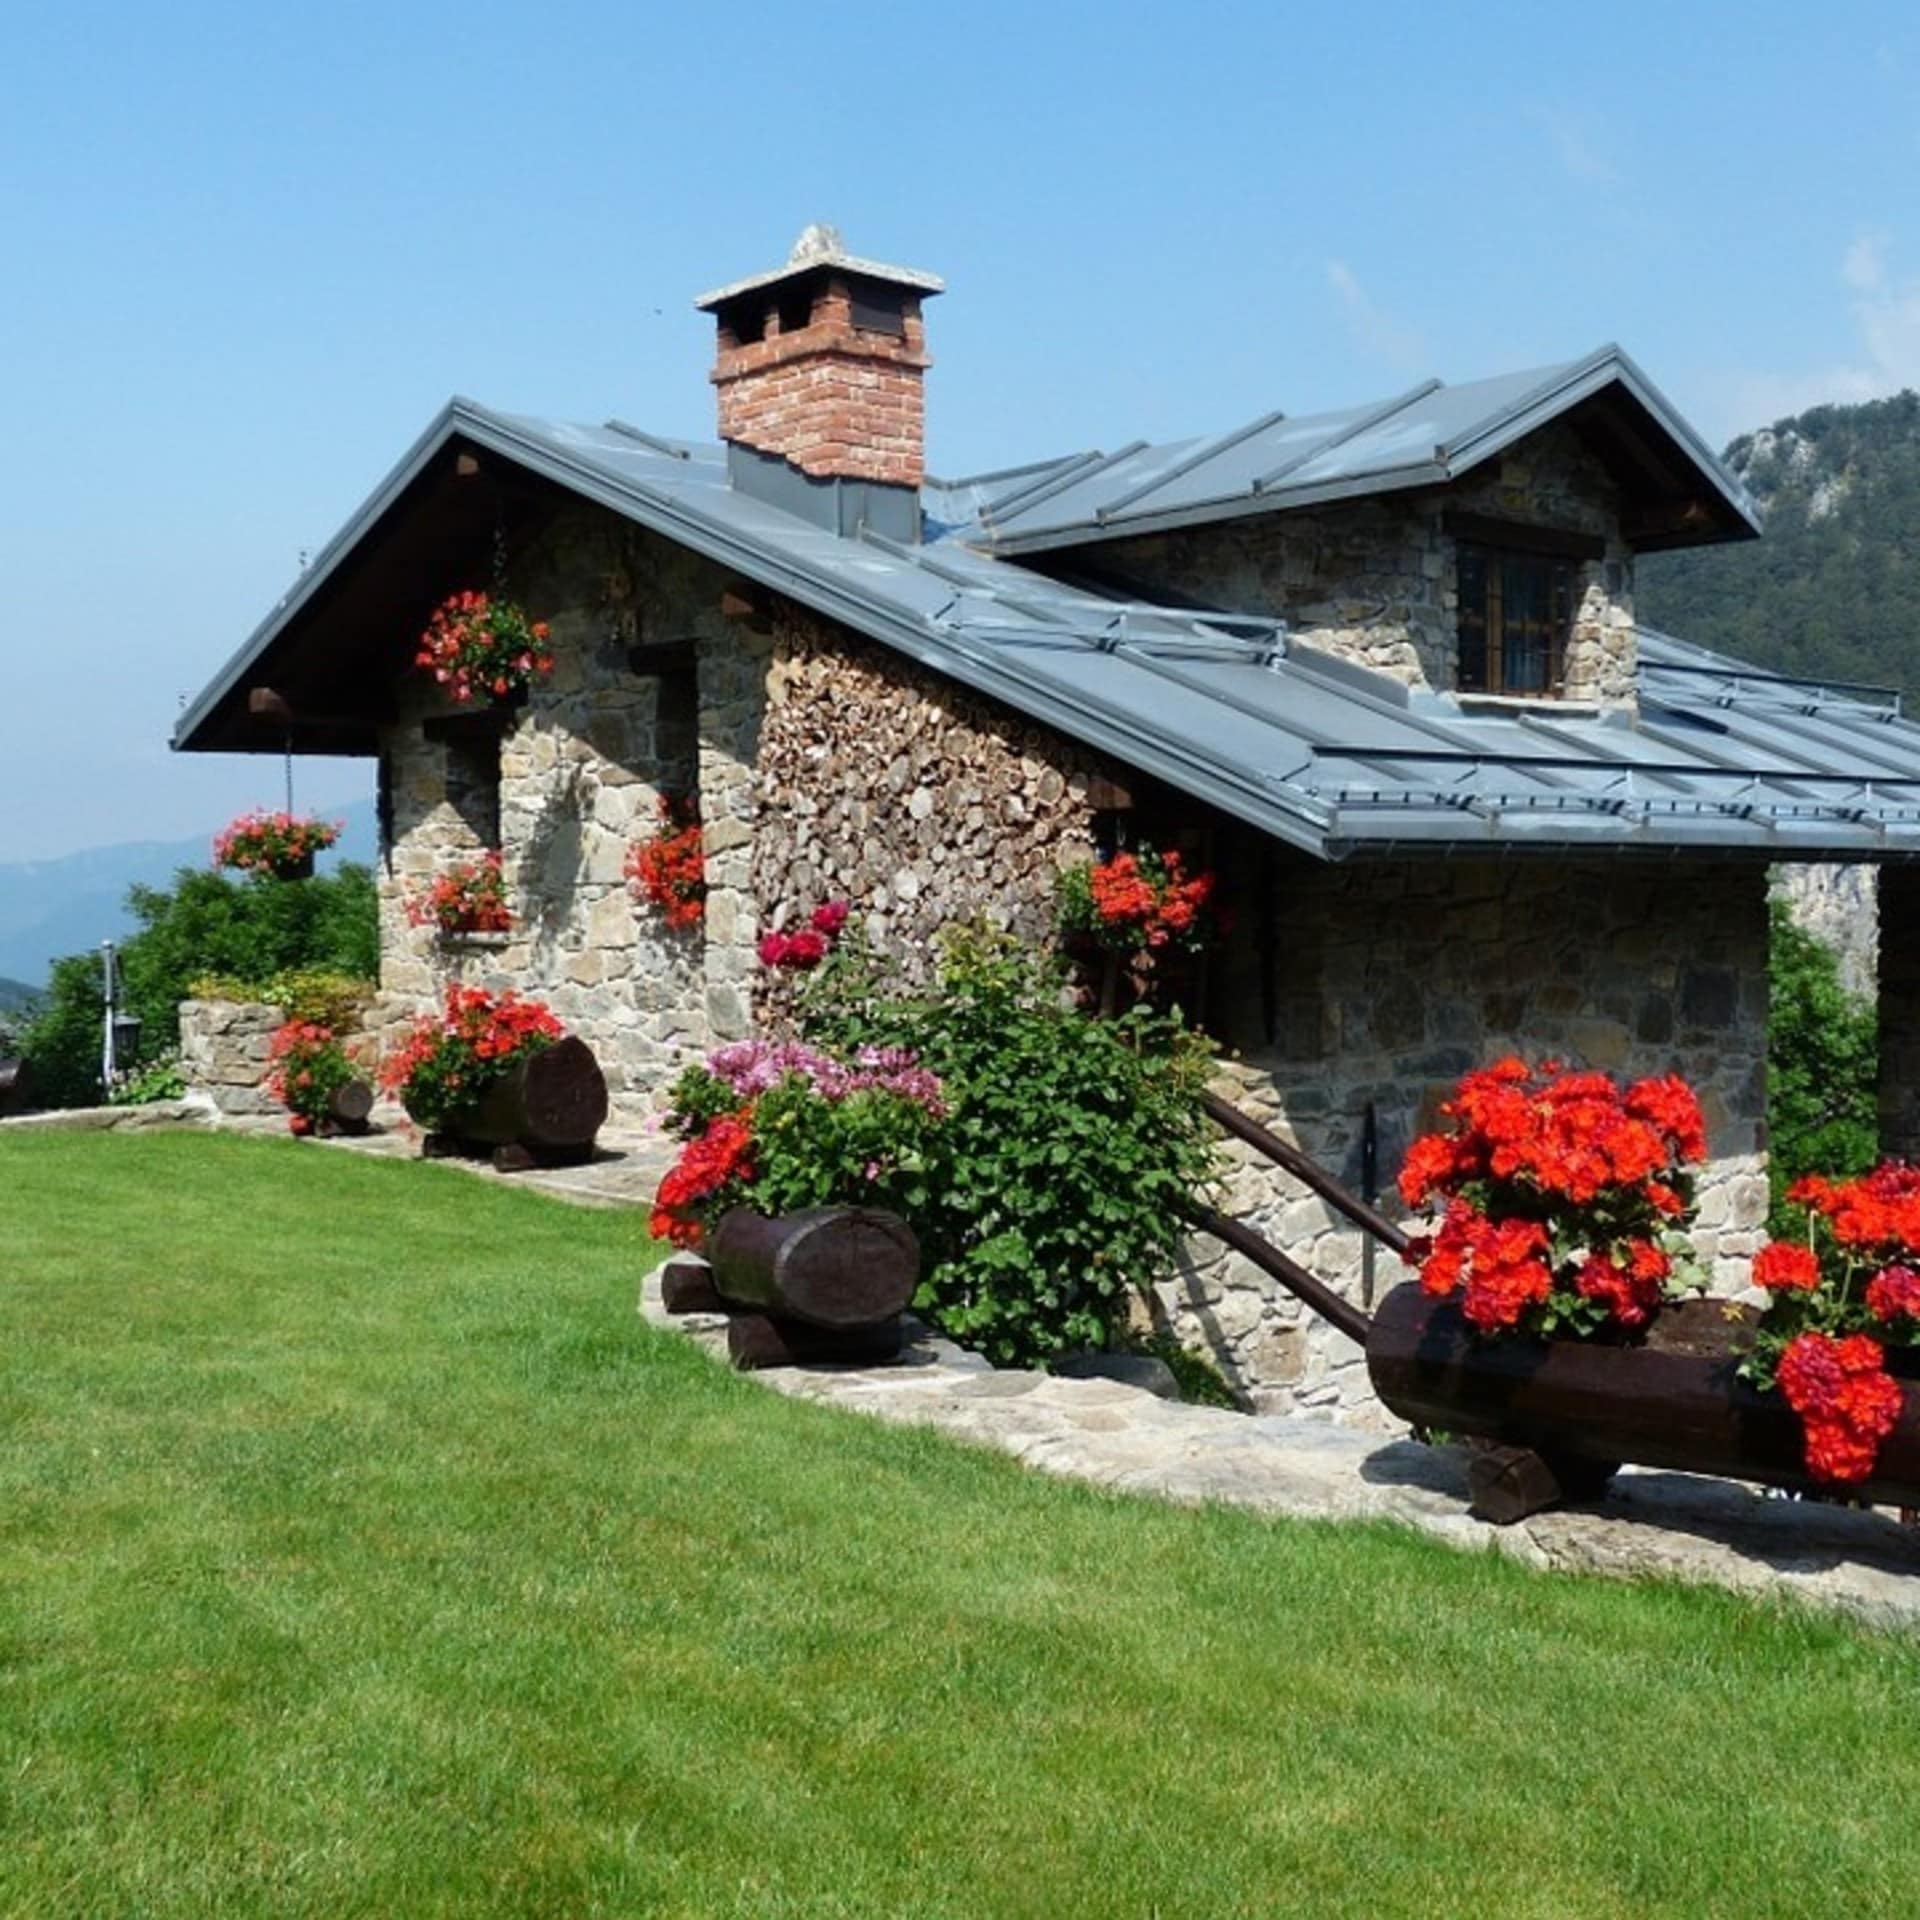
(1833,590)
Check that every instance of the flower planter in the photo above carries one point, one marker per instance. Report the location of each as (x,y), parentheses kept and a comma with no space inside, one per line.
(1586,1407)
(300,869)
(825,1284)
(346,1114)
(544,1111)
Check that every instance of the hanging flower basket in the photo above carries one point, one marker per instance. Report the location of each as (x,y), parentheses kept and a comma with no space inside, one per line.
(468,898)
(482,648)
(276,846)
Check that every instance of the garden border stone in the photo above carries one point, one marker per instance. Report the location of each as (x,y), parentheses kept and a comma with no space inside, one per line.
(1650,1525)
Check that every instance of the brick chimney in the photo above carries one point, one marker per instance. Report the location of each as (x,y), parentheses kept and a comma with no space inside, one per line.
(819,366)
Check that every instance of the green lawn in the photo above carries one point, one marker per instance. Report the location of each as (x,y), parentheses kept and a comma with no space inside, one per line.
(361,1553)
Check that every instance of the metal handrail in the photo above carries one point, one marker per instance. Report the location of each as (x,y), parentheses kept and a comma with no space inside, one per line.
(1312,1293)
(1309,1172)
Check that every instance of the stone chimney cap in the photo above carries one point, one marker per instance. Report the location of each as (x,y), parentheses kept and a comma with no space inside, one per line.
(820,245)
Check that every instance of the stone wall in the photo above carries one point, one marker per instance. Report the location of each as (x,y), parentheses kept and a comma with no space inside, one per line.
(581,770)
(919,802)
(1374,581)
(1392,980)
(223,1052)
(1899,986)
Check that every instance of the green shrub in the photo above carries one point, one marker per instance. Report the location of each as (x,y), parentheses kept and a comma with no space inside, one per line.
(1072,1148)
(160,1079)
(314,995)
(1823,1065)
(205,923)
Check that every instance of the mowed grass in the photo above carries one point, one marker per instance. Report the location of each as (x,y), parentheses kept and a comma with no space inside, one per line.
(361,1553)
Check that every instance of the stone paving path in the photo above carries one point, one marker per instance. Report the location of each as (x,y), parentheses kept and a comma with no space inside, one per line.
(1118,1436)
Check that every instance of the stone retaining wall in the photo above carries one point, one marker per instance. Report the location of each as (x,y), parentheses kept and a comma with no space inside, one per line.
(223,1052)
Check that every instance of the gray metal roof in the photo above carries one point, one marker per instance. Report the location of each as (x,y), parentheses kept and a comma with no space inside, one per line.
(1427,436)
(1229,708)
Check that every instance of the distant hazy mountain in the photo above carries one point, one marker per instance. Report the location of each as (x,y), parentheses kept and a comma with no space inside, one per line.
(54,907)
(1833,590)
(15,997)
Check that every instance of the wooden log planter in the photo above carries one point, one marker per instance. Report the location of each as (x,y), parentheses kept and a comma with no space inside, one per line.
(826,1284)
(545,1111)
(1566,1414)
(347,1111)
(16,1082)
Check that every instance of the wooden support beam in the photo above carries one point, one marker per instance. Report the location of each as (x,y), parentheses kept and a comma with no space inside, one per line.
(270,707)
(748,604)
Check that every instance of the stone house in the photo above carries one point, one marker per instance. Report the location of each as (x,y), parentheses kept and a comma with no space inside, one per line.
(1379,667)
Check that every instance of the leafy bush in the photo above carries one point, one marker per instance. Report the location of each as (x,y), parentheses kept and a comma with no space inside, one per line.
(316,996)
(250,930)
(160,1079)
(1823,1065)
(1060,1181)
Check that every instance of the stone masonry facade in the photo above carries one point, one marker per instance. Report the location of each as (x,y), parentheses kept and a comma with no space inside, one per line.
(1374,582)
(581,770)
(1392,979)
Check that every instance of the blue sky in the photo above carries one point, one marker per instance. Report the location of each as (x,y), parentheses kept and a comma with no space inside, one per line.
(245,253)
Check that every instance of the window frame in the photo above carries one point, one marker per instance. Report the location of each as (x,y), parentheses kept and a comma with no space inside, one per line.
(1558,575)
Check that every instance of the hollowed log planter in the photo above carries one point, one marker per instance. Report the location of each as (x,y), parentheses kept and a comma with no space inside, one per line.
(347,1111)
(829,1283)
(544,1111)
(1587,1407)
(16,1082)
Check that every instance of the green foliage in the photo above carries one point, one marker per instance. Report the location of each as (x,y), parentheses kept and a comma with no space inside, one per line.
(248,929)
(160,1079)
(319,995)
(1823,1067)
(1834,589)
(1072,1151)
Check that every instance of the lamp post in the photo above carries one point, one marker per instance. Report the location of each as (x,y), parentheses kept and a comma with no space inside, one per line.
(120,1032)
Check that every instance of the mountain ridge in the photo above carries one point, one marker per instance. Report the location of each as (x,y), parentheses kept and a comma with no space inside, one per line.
(1831,590)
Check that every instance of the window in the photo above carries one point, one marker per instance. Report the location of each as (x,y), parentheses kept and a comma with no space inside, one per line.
(1516,613)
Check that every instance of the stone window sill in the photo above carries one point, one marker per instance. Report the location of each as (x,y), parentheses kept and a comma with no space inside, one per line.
(481,942)
(1550,704)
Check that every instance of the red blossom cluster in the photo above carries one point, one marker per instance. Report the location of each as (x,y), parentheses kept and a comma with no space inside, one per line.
(1846,1400)
(1570,1135)
(669,869)
(475,644)
(272,843)
(1137,903)
(308,1066)
(719,1157)
(1893,1295)
(1553,1187)
(1877,1214)
(1833,1298)
(448,1059)
(468,898)
(806,947)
